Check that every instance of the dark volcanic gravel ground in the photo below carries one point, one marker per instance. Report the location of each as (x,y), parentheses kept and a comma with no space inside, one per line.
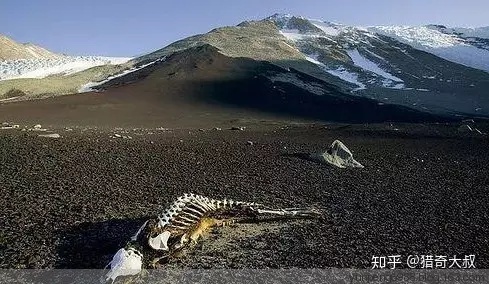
(71,202)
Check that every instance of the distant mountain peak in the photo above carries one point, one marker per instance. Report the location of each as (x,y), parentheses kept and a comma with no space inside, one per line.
(12,50)
(429,68)
(279,16)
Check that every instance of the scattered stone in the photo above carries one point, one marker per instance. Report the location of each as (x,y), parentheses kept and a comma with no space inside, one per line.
(6,125)
(217,128)
(115,136)
(37,127)
(163,129)
(337,155)
(201,130)
(52,135)
(465,128)
(240,128)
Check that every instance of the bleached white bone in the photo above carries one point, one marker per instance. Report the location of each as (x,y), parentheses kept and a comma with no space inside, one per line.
(160,242)
(172,212)
(191,215)
(189,220)
(186,211)
(135,236)
(182,223)
(178,227)
(163,221)
(125,263)
(195,211)
(183,241)
(206,206)
(288,212)
(200,207)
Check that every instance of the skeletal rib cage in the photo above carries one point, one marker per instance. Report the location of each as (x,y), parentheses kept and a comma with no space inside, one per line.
(184,221)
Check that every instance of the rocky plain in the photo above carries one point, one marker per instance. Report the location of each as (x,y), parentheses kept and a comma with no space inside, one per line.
(70,201)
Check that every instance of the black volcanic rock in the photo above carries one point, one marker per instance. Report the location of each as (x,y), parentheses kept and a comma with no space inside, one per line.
(72,202)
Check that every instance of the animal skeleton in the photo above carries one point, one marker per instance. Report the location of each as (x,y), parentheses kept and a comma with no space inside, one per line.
(181,225)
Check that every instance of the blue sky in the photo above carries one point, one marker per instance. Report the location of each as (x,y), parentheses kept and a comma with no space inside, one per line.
(132,27)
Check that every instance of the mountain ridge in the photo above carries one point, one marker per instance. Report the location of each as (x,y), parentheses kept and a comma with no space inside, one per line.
(199,87)
(12,50)
(366,62)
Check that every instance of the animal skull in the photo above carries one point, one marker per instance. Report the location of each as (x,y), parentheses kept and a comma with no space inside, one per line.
(125,263)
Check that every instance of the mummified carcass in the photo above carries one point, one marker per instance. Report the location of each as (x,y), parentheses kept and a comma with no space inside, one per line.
(181,225)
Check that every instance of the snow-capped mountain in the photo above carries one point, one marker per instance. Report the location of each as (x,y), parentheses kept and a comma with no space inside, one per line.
(30,61)
(443,42)
(428,68)
(425,68)
(481,32)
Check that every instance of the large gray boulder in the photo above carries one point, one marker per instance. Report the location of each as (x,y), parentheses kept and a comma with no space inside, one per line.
(337,155)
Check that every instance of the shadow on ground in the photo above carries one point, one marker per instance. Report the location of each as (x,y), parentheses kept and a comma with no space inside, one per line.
(91,245)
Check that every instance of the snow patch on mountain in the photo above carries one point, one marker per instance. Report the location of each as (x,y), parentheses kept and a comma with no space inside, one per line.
(482,32)
(349,39)
(339,72)
(295,35)
(43,67)
(290,78)
(90,86)
(347,76)
(418,36)
(328,28)
(375,55)
(388,81)
(447,46)
(368,65)
(398,86)
(313,59)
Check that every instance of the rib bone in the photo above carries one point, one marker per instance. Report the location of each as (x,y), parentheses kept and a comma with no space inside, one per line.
(183,222)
